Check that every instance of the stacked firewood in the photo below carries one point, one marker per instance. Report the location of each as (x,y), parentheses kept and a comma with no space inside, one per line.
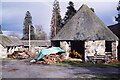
(19,55)
(50,59)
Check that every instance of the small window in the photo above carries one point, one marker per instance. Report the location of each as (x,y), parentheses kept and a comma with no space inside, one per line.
(108,45)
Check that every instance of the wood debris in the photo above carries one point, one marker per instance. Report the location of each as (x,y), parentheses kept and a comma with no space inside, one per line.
(75,59)
(50,59)
(19,55)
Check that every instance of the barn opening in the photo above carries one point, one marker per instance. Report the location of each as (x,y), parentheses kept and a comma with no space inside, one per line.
(55,43)
(108,45)
(78,46)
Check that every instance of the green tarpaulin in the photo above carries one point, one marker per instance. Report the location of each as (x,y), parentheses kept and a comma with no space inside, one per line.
(52,50)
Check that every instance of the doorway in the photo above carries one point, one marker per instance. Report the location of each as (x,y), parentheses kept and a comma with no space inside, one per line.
(78,46)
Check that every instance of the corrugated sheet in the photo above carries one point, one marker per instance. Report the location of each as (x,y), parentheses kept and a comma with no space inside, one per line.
(85,25)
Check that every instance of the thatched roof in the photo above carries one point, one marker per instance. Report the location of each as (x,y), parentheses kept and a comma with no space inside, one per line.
(85,25)
(9,41)
(115,29)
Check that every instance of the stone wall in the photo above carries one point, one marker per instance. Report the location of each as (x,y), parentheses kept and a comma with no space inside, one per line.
(114,49)
(92,47)
(3,52)
(65,46)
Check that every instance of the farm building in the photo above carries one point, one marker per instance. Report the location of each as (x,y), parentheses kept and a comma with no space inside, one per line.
(36,43)
(88,35)
(116,30)
(7,43)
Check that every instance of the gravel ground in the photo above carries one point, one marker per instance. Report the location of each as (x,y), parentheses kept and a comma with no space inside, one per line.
(24,69)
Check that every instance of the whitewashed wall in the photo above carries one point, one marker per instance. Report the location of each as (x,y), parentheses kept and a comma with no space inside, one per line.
(92,47)
(114,49)
(3,52)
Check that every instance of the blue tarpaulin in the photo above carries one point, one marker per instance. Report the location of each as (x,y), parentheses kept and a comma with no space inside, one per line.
(52,50)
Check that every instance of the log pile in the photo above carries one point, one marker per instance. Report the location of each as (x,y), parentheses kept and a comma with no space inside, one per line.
(19,55)
(50,59)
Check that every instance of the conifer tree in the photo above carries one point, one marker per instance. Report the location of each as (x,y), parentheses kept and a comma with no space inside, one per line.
(92,9)
(69,14)
(56,19)
(118,18)
(27,22)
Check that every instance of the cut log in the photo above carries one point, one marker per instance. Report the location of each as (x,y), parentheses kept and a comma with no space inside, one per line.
(50,59)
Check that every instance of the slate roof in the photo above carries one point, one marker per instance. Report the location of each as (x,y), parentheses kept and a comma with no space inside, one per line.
(85,25)
(9,41)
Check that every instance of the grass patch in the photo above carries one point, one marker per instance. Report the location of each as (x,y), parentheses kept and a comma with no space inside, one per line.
(87,64)
(100,76)
(109,76)
(6,59)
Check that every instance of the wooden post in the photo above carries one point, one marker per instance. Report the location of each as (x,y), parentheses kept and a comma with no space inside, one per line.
(29,37)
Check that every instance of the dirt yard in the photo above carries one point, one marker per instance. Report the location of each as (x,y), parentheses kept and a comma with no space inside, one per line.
(24,69)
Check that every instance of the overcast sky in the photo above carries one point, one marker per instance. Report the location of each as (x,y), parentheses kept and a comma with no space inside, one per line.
(13,12)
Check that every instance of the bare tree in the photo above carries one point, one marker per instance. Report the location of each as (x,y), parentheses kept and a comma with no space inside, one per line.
(40,33)
(38,28)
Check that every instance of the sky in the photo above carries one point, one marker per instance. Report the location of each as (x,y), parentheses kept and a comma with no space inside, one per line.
(12,12)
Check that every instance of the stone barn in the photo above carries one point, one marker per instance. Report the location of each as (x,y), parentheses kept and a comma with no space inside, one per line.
(8,44)
(116,30)
(88,35)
